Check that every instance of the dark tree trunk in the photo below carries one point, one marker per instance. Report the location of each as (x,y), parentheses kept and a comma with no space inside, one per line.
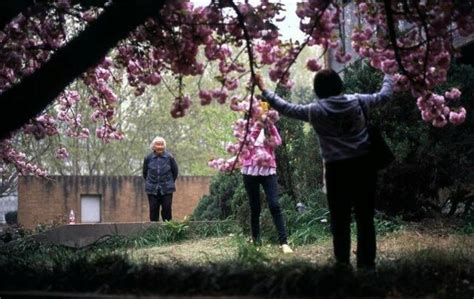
(34,93)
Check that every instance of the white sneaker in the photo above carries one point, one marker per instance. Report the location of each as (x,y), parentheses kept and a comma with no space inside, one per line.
(286,249)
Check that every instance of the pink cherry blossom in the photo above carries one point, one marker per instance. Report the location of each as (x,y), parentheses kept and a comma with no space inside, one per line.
(313,65)
(453,94)
(62,153)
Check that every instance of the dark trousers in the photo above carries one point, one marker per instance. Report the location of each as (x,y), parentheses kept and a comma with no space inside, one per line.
(351,184)
(155,202)
(269,184)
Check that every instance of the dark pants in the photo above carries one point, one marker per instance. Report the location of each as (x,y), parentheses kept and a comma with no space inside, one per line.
(269,184)
(155,202)
(351,184)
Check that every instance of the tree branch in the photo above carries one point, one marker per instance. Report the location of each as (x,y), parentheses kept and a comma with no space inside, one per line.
(393,38)
(34,93)
(248,44)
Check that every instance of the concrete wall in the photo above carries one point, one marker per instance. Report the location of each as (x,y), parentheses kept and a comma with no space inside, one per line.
(48,200)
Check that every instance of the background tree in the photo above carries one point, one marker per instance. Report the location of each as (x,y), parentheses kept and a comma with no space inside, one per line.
(193,140)
(427,159)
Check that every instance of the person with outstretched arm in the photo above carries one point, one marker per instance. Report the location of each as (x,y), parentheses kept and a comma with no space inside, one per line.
(351,177)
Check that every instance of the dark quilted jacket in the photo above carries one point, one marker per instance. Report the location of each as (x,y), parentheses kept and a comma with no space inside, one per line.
(160,173)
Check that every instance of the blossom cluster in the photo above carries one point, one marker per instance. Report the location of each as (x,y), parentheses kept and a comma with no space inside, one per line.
(255,114)
(9,155)
(415,47)
(413,42)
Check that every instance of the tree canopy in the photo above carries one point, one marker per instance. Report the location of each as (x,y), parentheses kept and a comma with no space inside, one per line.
(46,45)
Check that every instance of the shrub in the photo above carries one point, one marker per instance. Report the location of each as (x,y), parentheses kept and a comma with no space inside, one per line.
(11,217)
(13,232)
(217,205)
(249,254)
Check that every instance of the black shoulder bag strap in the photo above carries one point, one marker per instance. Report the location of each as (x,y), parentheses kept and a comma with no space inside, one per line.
(381,154)
(364,112)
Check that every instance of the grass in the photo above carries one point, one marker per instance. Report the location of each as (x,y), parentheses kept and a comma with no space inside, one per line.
(418,260)
(390,248)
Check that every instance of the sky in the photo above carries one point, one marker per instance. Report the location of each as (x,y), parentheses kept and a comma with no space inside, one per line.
(289,28)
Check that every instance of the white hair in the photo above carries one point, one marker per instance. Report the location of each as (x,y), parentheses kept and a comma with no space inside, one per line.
(156,139)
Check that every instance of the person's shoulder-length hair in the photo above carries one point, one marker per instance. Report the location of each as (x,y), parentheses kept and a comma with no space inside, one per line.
(157,138)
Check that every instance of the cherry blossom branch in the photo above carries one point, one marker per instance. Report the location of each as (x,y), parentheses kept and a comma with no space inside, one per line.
(428,39)
(393,38)
(305,43)
(248,44)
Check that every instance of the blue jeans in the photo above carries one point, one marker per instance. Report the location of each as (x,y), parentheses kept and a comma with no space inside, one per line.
(269,184)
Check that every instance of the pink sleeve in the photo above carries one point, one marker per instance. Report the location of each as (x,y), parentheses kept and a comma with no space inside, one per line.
(274,133)
(255,131)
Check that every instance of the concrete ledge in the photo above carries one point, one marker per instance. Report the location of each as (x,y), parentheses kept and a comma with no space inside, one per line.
(81,235)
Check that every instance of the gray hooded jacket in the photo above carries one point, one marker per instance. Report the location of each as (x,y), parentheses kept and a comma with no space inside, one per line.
(338,120)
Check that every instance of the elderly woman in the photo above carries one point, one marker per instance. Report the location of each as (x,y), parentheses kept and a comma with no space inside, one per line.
(160,172)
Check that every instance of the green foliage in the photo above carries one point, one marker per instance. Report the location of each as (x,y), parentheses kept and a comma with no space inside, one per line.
(467,227)
(206,229)
(168,232)
(241,209)
(12,233)
(207,208)
(11,217)
(217,205)
(385,224)
(176,231)
(248,253)
(55,222)
(428,158)
(308,227)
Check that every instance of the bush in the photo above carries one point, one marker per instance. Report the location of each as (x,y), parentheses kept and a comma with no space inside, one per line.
(14,232)
(11,217)
(217,205)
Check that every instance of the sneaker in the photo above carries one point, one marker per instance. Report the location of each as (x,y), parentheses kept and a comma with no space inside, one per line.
(286,249)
